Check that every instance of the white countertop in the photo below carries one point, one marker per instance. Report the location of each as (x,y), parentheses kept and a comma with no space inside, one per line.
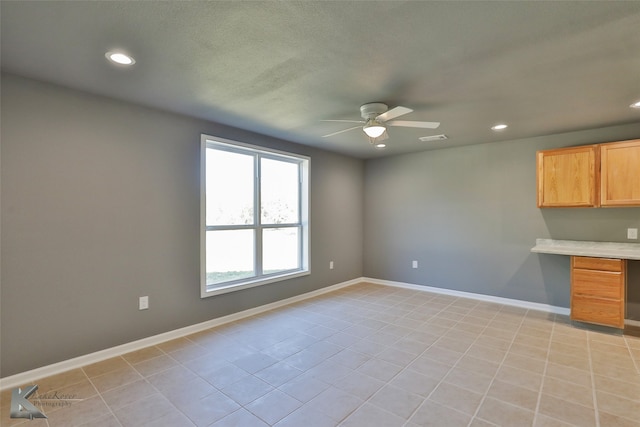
(591,249)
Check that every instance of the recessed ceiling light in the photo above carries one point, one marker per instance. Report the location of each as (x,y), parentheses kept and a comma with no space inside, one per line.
(381,145)
(635,104)
(501,126)
(120,58)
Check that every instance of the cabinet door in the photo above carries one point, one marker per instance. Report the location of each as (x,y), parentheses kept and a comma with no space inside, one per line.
(568,177)
(620,174)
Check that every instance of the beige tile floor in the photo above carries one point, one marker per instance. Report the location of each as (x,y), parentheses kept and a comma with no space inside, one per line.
(367,355)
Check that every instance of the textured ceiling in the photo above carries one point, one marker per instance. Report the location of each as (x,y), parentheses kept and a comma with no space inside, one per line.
(278,68)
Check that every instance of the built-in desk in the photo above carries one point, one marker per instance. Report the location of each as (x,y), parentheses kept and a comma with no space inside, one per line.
(589,249)
(598,277)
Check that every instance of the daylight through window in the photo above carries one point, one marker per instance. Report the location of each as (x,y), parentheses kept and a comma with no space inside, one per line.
(254,216)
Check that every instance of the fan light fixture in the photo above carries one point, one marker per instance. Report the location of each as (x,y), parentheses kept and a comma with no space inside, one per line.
(376,117)
(373,128)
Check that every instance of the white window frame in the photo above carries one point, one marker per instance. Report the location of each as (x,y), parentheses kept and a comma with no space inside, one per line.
(208,141)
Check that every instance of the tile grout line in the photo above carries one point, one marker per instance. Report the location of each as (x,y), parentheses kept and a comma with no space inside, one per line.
(182,364)
(593,380)
(404,368)
(317,339)
(275,388)
(46,420)
(145,379)
(54,390)
(636,363)
(424,351)
(100,394)
(367,400)
(544,372)
(484,396)
(453,366)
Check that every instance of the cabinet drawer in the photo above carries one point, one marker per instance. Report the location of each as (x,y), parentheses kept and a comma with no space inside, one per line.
(603,264)
(600,311)
(602,284)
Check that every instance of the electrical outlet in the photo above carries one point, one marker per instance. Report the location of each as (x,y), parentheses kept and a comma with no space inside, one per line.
(632,233)
(330,265)
(414,264)
(143,303)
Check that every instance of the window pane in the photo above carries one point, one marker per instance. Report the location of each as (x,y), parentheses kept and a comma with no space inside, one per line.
(229,255)
(230,182)
(279,192)
(280,249)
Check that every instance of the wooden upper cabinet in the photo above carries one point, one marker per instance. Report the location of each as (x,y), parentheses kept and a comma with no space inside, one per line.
(620,173)
(568,177)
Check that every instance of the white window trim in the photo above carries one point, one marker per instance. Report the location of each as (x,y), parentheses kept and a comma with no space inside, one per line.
(305,268)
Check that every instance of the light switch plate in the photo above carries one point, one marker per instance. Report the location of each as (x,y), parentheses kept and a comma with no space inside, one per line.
(632,233)
(143,303)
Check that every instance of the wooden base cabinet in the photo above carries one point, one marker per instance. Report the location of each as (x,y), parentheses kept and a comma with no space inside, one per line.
(598,290)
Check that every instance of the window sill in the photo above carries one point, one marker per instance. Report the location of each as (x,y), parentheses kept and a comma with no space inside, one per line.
(252,284)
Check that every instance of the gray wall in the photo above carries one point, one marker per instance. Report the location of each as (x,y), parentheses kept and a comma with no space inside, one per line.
(468,215)
(100,205)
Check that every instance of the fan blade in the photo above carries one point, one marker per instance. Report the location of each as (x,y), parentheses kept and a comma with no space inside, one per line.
(409,124)
(393,113)
(341,131)
(344,121)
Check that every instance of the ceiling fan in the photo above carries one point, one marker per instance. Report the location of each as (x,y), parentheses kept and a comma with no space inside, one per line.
(377,117)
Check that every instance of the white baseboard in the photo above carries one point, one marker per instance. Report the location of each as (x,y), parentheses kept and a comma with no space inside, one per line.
(481,297)
(87,359)
(631,322)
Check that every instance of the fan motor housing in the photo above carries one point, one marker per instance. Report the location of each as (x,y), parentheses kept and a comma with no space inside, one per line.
(372,110)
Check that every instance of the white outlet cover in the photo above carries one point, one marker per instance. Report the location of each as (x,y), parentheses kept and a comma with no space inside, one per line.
(415,264)
(143,303)
(632,233)
(330,265)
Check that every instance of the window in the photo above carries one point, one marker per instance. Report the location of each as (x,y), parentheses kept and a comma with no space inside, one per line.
(254,216)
